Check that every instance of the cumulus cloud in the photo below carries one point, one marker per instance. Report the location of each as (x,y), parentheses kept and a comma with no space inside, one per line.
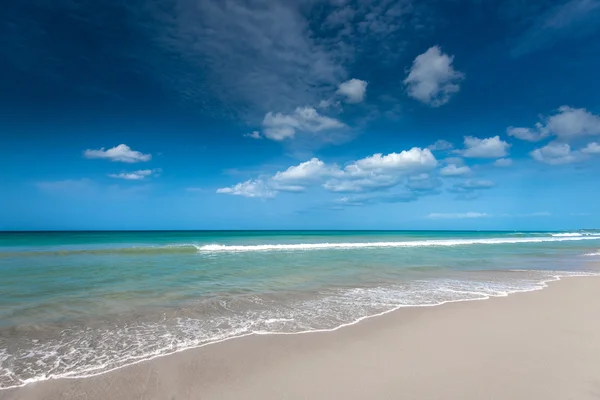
(297,177)
(591,148)
(555,153)
(250,188)
(122,153)
(573,122)
(411,160)
(371,173)
(432,79)
(454,170)
(457,215)
(491,147)
(528,134)
(353,90)
(503,162)
(279,126)
(565,125)
(137,175)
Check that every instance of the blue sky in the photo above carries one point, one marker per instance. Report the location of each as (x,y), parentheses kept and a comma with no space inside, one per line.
(311,114)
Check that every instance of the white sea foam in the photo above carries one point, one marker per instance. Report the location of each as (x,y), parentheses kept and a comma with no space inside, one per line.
(359,245)
(85,352)
(570,234)
(592,254)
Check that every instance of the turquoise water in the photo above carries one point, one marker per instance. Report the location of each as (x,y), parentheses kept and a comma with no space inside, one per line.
(82,303)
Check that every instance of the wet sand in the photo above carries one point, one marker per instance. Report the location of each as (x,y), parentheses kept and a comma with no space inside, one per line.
(536,345)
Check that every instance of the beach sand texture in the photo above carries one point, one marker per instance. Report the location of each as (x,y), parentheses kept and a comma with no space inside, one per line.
(537,345)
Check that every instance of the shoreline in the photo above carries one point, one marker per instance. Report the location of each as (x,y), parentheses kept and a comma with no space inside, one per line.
(541,285)
(193,356)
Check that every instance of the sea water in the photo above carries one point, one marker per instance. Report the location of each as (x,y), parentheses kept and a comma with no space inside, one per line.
(76,304)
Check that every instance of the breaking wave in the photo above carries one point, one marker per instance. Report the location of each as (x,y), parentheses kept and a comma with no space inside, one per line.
(415,243)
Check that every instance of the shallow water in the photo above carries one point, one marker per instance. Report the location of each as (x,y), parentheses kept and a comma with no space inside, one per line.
(80,303)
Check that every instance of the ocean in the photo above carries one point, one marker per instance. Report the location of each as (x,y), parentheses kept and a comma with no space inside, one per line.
(76,304)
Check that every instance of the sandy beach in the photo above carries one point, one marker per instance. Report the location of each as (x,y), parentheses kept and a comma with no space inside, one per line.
(534,345)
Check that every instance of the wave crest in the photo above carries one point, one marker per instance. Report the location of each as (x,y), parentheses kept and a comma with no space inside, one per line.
(358,245)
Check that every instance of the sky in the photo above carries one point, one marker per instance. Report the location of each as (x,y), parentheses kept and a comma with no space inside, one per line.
(305,114)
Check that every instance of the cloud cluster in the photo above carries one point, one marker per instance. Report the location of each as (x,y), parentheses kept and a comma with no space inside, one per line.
(123,153)
(373,173)
(279,126)
(120,153)
(432,79)
(565,125)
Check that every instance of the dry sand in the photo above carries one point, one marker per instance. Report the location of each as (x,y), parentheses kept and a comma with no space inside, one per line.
(536,345)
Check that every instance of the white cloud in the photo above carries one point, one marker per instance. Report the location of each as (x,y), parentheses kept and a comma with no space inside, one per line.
(353,90)
(253,135)
(568,123)
(491,147)
(503,162)
(453,170)
(250,188)
(296,178)
(530,135)
(371,173)
(432,79)
(440,145)
(555,153)
(571,122)
(457,215)
(413,161)
(120,153)
(591,148)
(280,126)
(381,171)
(136,175)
